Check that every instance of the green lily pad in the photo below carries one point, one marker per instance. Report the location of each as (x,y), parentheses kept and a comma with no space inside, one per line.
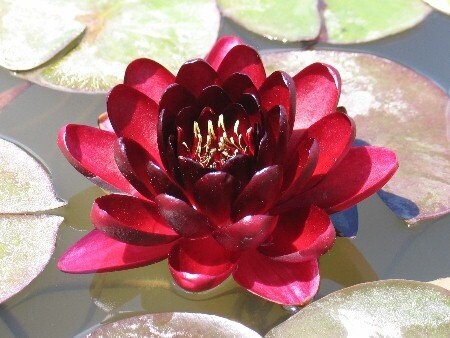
(119,31)
(26,245)
(27,241)
(440,5)
(351,21)
(390,308)
(33,32)
(392,107)
(25,185)
(174,324)
(289,20)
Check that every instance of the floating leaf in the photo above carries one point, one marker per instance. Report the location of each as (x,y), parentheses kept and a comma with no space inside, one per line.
(9,95)
(26,245)
(174,324)
(119,31)
(393,107)
(440,5)
(25,185)
(350,21)
(393,308)
(26,241)
(290,20)
(33,32)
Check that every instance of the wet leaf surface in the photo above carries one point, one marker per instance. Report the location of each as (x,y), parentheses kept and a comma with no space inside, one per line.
(119,31)
(289,20)
(26,241)
(384,308)
(174,324)
(33,32)
(440,5)
(399,109)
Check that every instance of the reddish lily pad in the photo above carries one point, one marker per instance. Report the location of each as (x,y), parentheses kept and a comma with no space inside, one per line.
(440,5)
(33,32)
(289,20)
(174,324)
(119,31)
(393,308)
(27,241)
(389,111)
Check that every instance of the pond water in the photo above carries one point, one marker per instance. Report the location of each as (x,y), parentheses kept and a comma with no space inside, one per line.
(62,305)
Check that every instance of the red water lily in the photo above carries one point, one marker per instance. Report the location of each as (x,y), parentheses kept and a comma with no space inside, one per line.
(224,171)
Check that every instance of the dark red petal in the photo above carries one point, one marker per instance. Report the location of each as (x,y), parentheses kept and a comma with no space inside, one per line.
(196,75)
(335,134)
(215,98)
(104,123)
(182,217)
(199,264)
(300,235)
(240,167)
(238,84)
(279,90)
(360,174)
(191,171)
(160,182)
(318,89)
(300,168)
(251,104)
(247,233)
(184,123)
(220,49)
(280,282)
(130,220)
(213,194)
(266,151)
(149,77)
(175,98)
(91,152)
(131,159)
(243,59)
(260,194)
(135,116)
(97,252)
(277,125)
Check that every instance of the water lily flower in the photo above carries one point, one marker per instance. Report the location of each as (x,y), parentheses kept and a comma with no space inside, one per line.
(224,171)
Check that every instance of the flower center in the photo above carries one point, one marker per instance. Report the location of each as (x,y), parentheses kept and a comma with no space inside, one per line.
(218,146)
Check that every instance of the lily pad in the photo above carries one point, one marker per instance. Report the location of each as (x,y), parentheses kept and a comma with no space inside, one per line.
(342,21)
(390,308)
(33,32)
(174,324)
(440,5)
(288,20)
(399,109)
(25,185)
(119,31)
(27,241)
(351,21)
(26,245)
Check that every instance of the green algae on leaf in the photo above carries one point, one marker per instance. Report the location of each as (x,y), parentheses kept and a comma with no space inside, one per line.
(27,240)
(440,5)
(290,20)
(119,31)
(399,109)
(174,324)
(389,308)
(352,21)
(33,32)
